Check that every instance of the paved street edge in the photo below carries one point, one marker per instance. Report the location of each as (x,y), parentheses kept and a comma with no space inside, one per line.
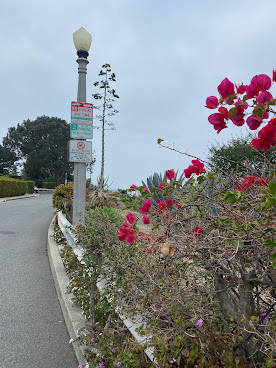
(73,316)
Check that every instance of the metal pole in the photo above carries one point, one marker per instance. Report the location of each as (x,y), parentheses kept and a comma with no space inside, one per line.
(79,167)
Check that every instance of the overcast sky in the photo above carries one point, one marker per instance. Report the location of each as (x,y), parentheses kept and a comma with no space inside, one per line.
(168,56)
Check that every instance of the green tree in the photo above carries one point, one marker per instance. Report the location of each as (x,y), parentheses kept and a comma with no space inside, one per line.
(238,155)
(106,110)
(6,164)
(42,144)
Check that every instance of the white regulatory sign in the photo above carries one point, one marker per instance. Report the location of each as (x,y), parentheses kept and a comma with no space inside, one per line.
(80,151)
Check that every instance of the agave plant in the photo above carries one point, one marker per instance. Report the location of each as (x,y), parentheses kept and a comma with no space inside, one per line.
(153,183)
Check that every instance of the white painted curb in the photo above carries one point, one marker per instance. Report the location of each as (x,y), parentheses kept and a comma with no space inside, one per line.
(73,316)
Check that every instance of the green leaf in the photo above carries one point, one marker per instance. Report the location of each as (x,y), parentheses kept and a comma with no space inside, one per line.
(231,97)
(270,243)
(272,188)
(272,102)
(232,113)
(258,112)
(200,179)
(270,202)
(159,140)
(211,175)
(245,98)
(233,196)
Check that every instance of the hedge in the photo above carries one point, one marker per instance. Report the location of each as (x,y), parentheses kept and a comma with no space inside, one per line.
(31,185)
(12,187)
(49,185)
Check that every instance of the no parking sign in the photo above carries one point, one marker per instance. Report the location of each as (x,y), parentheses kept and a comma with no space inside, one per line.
(80,151)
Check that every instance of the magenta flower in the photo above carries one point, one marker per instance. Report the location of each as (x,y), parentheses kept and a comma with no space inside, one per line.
(172,361)
(264,97)
(197,231)
(226,88)
(170,174)
(169,202)
(262,81)
(241,89)
(146,207)
(254,121)
(146,189)
(274,75)
(146,220)
(131,218)
(161,186)
(133,186)
(238,119)
(212,102)
(199,322)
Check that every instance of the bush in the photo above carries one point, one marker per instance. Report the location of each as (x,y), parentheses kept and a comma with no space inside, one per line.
(49,185)
(63,199)
(12,187)
(31,185)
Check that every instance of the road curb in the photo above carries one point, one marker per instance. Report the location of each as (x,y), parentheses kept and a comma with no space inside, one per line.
(73,316)
(19,197)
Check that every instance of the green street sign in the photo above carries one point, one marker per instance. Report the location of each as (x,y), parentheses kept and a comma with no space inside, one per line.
(81,131)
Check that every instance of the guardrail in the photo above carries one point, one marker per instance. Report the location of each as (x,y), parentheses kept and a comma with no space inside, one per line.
(136,320)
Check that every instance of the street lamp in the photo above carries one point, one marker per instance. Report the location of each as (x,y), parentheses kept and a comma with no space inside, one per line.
(82,41)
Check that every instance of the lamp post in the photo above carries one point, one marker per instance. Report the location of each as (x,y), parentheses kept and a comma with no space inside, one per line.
(82,41)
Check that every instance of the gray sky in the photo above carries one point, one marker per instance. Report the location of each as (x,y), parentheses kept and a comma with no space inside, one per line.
(167,57)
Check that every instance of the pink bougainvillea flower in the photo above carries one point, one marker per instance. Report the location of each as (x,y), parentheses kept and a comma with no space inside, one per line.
(266,136)
(126,224)
(123,233)
(133,186)
(224,112)
(264,97)
(238,119)
(274,75)
(217,120)
(146,207)
(162,205)
(130,238)
(146,220)
(131,218)
(178,206)
(212,102)
(261,144)
(252,90)
(197,231)
(241,89)
(262,81)
(157,200)
(188,172)
(241,106)
(226,88)
(199,322)
(146,189)
(196,168)
(161,186)
(249,181)
(169,202)
(170,174)
(254,121)
(266,115)
(199,166)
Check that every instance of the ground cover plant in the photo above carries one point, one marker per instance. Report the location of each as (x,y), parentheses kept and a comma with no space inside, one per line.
(202,272)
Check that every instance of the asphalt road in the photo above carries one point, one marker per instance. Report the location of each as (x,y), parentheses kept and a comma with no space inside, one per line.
(32,330)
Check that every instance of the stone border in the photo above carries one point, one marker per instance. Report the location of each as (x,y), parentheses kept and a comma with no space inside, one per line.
(73,315)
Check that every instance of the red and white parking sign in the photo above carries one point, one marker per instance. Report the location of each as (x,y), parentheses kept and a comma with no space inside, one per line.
(81,113)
